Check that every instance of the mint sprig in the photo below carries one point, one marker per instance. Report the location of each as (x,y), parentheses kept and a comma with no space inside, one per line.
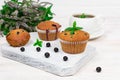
(24,14)
(82,15)
(73,28)
(48,15)
(38,43)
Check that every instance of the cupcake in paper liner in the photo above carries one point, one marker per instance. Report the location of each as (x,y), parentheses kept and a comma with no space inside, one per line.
(48,30)
(73,40)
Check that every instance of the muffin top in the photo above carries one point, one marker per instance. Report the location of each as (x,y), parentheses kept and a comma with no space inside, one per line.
(50,25)
(17,34)
(78,35)
(74,34)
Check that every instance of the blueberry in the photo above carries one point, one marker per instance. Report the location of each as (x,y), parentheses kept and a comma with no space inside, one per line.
(48,44)
(98,69)
(22,49)
(65,33)
(65,58)
(47,55)
(38,49)
(56,49)
(18,33)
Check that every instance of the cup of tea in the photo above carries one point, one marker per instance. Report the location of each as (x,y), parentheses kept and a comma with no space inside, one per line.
(90,23)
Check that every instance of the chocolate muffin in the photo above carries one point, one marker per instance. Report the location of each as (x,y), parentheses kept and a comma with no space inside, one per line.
(18,37)
(48,30)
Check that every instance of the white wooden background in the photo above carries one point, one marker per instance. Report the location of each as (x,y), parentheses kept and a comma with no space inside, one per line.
(67,7)
(108,45)
(103,7)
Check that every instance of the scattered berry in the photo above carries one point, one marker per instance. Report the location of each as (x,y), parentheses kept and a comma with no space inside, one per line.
(56,49)
(65,58)
(98,69)
(48,44)
(38,49)
(47,55)
(22,49)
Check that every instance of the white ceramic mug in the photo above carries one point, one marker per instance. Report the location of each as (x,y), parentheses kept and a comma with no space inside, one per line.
(90,24)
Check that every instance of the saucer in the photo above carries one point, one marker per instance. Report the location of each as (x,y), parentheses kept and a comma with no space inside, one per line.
(96,34)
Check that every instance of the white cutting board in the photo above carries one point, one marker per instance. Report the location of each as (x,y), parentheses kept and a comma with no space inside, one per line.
(54,64)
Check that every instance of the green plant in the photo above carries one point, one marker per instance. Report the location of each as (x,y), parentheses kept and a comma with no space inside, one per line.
(73,28)
(1,34)
(38,43)
(25,14)
(82,15)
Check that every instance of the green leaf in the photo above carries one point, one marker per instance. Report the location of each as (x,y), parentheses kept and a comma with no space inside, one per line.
(78,28)
(47,18)
(48,15)
(14,0)
(20,3)
(38,43)
(74,24)
(23,9)
(49,10)
(73,28)
(34,44)
(72,32)
(42,8)
(68,29)
(6,31)
(83,15)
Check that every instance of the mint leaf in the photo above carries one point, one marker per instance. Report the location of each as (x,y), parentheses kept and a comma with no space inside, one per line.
(68,29)
(35,44)
(74,24)
(72,32)
(78,28)
(73,28)
(23,11)
(83,15)
(42,8)
(38,43)
(6,31)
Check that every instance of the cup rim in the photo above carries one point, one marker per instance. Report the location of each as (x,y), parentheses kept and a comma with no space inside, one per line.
(95,16)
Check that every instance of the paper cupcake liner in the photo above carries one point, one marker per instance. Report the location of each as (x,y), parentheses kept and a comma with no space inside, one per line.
(77,42)
(44,31)
(52,35)
(73,47)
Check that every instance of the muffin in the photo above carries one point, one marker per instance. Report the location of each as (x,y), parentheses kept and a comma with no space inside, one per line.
(48,30)
(18,37)
(73,40)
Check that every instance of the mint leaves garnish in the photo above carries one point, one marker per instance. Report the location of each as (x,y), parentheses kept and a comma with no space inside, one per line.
(82,15)
(25,14)
(73,28)
(38,43)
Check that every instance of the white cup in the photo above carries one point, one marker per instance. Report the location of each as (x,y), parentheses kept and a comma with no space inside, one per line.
(90,24)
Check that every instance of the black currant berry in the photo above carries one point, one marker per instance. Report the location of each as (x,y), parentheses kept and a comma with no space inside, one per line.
(38,49)
(98,69)
(65,58)
(48,44)
(22,49)
(56,49)
(47,55)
